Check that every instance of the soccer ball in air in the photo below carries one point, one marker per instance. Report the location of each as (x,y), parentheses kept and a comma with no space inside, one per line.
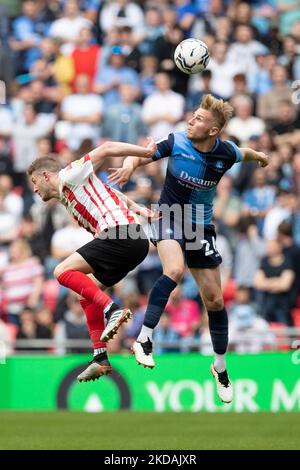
(191,56)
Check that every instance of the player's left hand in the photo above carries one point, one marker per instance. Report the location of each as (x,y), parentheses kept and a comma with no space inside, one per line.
(147,214)
(151,145)
(263,159)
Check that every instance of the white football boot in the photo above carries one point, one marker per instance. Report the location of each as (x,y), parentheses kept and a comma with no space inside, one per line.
(224,387)
(117,318)
(143,353)
(98,367)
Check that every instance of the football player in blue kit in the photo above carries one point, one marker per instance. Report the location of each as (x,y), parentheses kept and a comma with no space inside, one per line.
(198,159)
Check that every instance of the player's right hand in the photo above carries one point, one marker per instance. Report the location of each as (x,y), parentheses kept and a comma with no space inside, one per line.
(263,159)
(119,176)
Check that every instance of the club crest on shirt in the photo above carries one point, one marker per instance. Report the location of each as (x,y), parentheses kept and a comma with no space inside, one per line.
(66,191)
(219,165)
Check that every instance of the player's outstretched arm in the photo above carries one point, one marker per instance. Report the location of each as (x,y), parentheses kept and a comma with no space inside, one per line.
(121,149)
(250,154)
(122,175)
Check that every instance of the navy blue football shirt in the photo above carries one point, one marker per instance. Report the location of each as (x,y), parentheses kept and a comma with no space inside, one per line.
(192,176)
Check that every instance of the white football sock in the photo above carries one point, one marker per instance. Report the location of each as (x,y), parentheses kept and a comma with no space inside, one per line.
(145,333)
(219,362)
(99,351)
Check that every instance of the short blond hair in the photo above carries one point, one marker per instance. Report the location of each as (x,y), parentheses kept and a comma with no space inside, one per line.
(45,163)
(221,110)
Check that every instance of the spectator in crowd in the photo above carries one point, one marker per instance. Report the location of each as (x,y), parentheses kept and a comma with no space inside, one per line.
(249,250)
(167,338)
(292,252)
(244,49)
(148,66)
(72,327)
(185,314)
(224,248)
(81,114)
(123,121)
(22,280)
(227,208)
(280,212)
(6,121)
(259,79)
(30,232)
(25,136)
(6,166)
(45,91)
(274,280)
(68,239)
(61,65)
(290,57)
(68,27)
(26,37)
(8,222)
(223,70)
(186,15)
(268,104)
(258,201)
(31,330)
(86,55)
(289,14)
(110,76)
(129,44)
(121,13)
(162,109)
(153,29)
(248,333)
(133,301)
(287,125)
(195,97)
(244,124)
(164,49)
(12,201)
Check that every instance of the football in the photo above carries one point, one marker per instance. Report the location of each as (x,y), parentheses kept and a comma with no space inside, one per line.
(191,56)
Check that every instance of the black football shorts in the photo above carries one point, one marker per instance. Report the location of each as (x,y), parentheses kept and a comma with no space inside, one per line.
(117,251)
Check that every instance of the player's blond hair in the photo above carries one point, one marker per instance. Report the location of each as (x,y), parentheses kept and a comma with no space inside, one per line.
(221,110)
(44,163)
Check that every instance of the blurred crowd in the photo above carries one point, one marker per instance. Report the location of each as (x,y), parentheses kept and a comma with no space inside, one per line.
(76,73)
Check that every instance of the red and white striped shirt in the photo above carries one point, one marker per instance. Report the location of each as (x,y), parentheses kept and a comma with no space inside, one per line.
(91,202)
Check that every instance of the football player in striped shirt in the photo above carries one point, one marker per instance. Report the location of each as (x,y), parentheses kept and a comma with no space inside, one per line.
(119,244)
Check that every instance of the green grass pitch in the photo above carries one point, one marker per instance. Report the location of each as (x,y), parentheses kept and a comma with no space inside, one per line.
(148,431)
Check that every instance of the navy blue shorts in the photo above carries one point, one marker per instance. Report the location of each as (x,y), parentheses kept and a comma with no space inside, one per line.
(199,248)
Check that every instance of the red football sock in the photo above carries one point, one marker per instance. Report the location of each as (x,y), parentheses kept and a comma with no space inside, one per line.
(84,286)
(95,322)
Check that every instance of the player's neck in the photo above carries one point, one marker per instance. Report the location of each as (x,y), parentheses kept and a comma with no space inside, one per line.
(206,145)
(55,187)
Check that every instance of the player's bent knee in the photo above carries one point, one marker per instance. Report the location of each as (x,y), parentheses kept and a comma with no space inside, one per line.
(215,304)
(175,273)
(60,269)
